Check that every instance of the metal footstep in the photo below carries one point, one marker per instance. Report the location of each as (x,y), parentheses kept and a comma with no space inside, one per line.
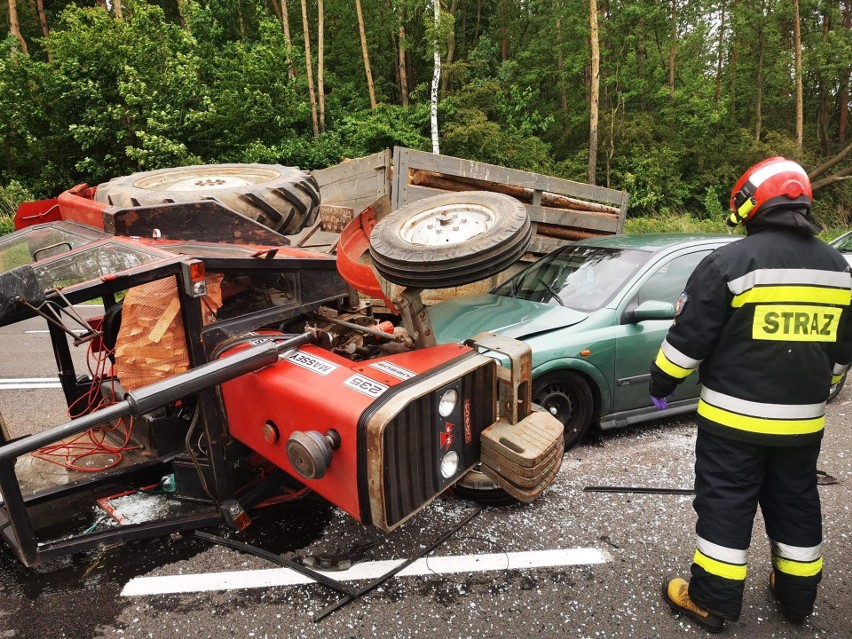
(523,458)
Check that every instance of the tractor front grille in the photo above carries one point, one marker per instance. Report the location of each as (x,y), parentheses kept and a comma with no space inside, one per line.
(417,439)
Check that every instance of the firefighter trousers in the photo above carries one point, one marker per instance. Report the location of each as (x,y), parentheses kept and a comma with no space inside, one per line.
(731,479)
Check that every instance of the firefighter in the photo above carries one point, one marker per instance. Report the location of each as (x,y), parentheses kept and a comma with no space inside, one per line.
(765,321)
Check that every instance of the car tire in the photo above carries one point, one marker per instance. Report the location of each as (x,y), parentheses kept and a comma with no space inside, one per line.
(475,486)
(285,199)
(836,388)
(450,240)
(567,396)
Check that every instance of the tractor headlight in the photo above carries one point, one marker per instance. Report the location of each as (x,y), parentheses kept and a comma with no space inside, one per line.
(449,464)
(448,401)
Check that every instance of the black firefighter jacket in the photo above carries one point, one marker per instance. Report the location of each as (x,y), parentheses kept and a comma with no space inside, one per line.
(765,322)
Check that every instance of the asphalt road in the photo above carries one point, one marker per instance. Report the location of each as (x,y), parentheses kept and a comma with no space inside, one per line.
(638,539)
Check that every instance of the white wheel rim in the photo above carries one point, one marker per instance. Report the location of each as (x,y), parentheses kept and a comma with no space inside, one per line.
(448,225)
(184,180)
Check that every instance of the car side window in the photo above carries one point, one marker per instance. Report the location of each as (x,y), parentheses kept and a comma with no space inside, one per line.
(669,280)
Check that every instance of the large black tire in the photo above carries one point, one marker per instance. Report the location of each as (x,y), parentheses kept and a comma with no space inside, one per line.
(836,388)
(450,240)
(283,198)
(566,396)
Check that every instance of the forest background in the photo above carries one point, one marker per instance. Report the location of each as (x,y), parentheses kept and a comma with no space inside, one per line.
(668,100)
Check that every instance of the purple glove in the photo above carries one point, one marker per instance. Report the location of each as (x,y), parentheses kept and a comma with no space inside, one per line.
(660,402)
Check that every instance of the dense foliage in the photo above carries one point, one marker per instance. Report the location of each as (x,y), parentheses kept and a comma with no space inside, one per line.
(692,91)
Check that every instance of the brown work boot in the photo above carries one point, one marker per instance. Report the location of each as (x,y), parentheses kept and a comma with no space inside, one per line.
(676,594)
(793,618)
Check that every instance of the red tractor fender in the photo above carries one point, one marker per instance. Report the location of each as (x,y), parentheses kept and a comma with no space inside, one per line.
(74,205)
(353,244)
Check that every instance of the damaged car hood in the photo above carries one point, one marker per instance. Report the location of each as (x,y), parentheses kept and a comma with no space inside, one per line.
(458,320)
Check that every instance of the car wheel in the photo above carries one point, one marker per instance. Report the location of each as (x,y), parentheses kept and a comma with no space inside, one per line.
(566,396)
(450,240)
(283,198)
(836,388)
(477,487)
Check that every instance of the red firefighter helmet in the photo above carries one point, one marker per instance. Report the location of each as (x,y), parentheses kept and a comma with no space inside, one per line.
(770,183)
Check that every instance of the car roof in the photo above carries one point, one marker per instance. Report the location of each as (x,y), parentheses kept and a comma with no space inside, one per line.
(653,242)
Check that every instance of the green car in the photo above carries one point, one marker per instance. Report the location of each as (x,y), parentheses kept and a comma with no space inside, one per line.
(595,313)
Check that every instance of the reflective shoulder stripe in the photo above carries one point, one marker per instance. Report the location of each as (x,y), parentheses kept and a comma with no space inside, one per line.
(736,572)
(790,277)
(759,409)
(759,425)
(797,568)
(721,553)
(839,369)
(793,295)
(796,553)
(670,368)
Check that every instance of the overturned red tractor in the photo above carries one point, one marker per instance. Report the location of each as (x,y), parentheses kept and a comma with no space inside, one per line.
(236,371)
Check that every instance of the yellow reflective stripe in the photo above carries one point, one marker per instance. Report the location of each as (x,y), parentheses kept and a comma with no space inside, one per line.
(720,568)
(797,568)
(669,367)
(760,425)
(835,379)
(794,294)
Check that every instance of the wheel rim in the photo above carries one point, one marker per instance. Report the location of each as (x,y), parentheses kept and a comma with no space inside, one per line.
(447,225)
(205,180)
(561,402)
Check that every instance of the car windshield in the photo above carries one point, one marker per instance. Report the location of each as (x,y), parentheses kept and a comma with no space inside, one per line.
(843,243)
(581,277)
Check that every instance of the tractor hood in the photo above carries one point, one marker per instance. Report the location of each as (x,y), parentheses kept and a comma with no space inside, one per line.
(457,320)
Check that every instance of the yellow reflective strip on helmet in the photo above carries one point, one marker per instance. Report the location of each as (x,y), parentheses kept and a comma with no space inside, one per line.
(797,568)
(793,295)
(760,425)
(669,367)
(835,379)
(736,572)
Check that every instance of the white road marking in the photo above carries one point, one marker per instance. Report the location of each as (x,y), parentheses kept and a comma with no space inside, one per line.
(147,586)
(27,383)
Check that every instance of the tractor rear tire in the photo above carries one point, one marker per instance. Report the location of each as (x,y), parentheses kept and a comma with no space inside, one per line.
(450,240)
(285,199)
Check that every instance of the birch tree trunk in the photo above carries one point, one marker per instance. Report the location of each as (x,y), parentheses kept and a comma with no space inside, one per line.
(436,79)
(309,68)
(15,26)
(797,37)
(594,92)
(321,62)
(365,53)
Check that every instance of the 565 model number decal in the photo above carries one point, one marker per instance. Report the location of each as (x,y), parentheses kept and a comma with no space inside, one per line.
(365,385)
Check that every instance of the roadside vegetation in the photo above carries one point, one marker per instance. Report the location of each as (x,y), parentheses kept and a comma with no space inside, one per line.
(690,92)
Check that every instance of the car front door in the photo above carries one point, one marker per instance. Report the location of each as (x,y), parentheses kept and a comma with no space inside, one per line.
(637,343)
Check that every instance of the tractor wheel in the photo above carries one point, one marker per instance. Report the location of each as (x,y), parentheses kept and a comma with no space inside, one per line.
(567,397)
(285,199)
(450,240)
(475,486)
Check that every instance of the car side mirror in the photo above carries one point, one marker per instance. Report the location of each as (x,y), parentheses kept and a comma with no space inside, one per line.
(653,310)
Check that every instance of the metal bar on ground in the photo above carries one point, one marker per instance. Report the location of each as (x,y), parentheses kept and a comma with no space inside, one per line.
(638,489)
(380,580)
(325,580)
